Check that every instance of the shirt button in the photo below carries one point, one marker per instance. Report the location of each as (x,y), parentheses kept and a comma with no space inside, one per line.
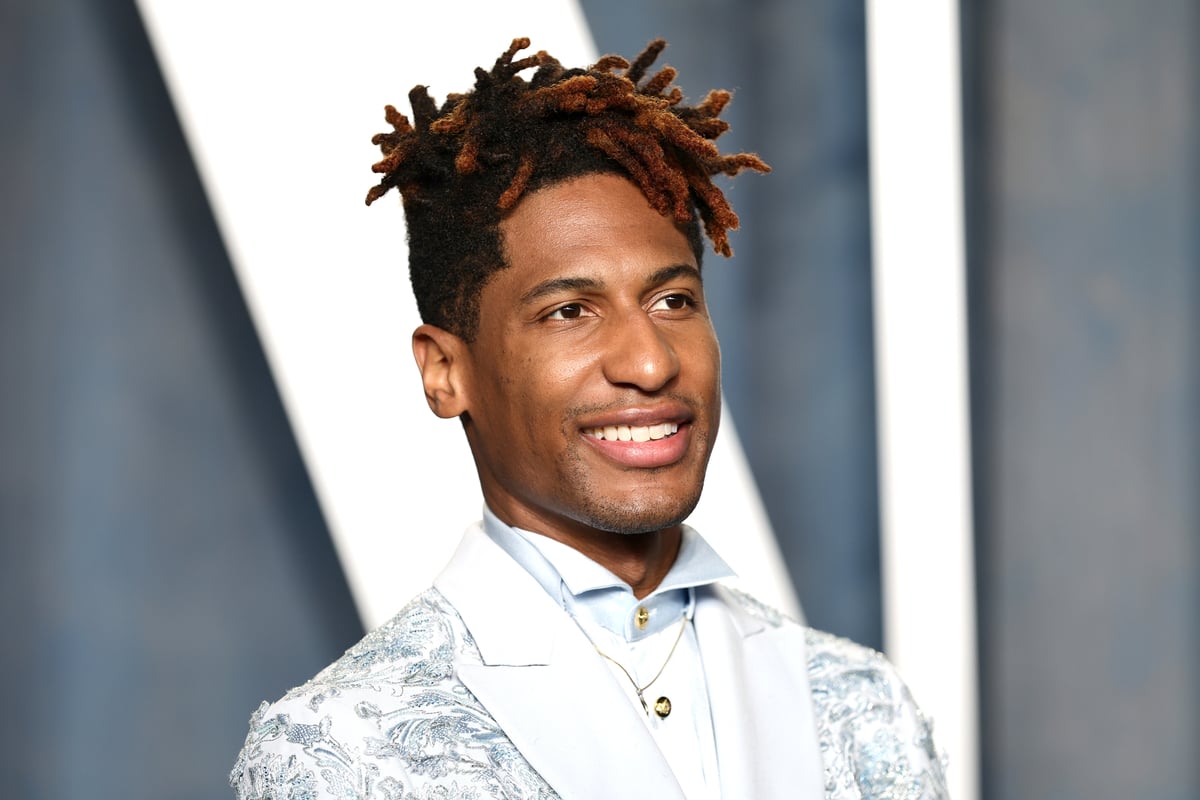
(641,618)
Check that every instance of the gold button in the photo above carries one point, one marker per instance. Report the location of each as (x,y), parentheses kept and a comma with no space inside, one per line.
(662,707)
(642,617)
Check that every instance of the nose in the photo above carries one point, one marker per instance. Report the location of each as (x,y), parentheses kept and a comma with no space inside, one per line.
(640,353)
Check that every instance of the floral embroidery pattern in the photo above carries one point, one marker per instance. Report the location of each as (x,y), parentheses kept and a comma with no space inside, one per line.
(875,743)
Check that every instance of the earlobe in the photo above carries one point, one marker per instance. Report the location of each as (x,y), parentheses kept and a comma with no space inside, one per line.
(441,359)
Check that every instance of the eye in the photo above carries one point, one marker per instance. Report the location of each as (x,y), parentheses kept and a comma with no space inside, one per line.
(569,311)
(673,302)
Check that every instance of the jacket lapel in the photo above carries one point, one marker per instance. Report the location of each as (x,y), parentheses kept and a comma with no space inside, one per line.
(761,703)
(544,684)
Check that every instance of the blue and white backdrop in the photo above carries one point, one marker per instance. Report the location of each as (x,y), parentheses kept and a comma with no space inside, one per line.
(959,340)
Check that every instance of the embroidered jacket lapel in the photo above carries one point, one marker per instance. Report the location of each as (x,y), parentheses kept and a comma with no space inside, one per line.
(761,703)
(544,684)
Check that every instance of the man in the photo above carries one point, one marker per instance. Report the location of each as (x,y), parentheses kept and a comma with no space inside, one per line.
(579,644)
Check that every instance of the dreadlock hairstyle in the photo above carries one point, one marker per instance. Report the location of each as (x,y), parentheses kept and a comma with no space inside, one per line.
(461,167)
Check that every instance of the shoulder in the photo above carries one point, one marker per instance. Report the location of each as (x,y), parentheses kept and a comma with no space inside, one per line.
(875,742)
(836,667)
(344,731)
(417,647)
(839,667)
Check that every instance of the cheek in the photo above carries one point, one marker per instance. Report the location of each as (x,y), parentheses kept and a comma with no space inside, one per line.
(562,370)
(707,362)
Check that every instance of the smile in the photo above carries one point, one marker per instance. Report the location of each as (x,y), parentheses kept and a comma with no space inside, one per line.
(633,433)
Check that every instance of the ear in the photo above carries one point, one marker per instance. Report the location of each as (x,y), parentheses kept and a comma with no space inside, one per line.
(442,359)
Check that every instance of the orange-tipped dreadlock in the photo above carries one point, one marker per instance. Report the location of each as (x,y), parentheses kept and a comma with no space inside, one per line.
(459,168)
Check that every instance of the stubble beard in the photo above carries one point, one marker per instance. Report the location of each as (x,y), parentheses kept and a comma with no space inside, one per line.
(594,508)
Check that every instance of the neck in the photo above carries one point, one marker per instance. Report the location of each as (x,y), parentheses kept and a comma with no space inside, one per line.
(641,560)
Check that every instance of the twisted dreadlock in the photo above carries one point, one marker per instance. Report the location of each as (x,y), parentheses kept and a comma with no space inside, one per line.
(461,167)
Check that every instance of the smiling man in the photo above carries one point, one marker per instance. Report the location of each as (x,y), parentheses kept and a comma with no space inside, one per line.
(580,643)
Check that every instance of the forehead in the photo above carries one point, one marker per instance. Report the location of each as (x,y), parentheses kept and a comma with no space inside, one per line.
(598,224)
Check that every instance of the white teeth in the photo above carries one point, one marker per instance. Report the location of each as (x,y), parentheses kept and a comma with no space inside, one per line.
(633,433)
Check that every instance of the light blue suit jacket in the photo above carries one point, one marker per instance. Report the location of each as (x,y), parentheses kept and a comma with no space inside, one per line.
(483,687)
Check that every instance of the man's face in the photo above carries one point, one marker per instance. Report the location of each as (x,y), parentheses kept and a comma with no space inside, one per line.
(594,381)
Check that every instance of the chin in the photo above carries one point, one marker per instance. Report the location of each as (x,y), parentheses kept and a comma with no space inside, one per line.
(633,518)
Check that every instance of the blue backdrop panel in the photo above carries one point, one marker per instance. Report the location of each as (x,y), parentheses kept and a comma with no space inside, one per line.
(157,528)
(1085,309)
(793,308)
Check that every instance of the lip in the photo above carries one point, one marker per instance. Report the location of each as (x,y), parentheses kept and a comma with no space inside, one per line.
(674,412)
(643,455)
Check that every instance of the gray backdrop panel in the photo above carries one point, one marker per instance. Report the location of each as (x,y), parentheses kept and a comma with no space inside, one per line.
(1085,301)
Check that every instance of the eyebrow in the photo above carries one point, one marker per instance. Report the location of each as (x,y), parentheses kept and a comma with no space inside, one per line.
(676,271)
(555,285)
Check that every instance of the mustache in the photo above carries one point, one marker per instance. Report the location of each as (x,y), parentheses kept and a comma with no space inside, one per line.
(693,403)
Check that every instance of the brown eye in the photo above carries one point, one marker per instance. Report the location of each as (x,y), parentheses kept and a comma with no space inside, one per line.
(570,311)
(674,302)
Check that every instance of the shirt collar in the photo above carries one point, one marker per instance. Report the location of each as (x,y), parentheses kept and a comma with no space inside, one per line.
(592,593)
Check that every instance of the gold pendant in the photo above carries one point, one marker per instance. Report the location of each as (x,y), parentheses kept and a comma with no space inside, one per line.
(662,707)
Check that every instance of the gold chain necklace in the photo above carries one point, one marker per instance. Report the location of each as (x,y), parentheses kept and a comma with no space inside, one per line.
(662,706)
